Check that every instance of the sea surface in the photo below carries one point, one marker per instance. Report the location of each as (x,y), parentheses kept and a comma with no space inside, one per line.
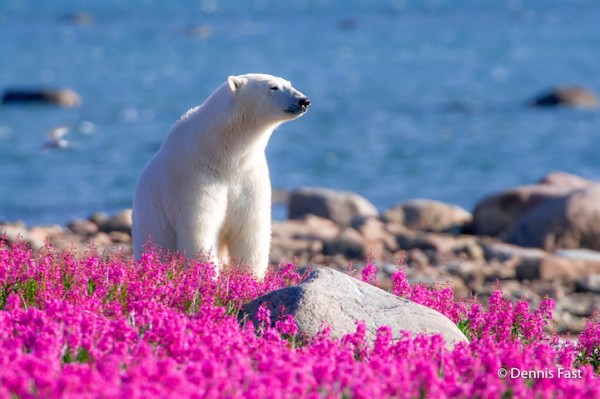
(410,99)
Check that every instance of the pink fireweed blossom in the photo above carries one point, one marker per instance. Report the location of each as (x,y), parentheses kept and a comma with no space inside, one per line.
(82,325)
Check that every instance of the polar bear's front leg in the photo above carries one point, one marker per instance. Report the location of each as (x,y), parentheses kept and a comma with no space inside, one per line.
(199,223)
(252,247)
(249,241)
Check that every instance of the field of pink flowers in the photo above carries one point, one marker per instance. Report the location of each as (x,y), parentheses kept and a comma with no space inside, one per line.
(84,326)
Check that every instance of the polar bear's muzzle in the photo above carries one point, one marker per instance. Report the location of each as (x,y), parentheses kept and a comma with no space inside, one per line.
(299,108)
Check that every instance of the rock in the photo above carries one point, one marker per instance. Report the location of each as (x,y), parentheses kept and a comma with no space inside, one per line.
(574,96)
(309,227)
(119,237)
(19,233)
(37,237)
(339,206)
(467,271)
(279,196)
(470,250)
(100,218)
(301,238)
(348,243)
(119,222)
(565,180)
(459,288)
(428,215)
(580,304)
(82,227)
(374,231)
(409,239)
(567,323)
(552,289)
(416,258)
(51,230)
(503,252)
(200,31)
(291,250)
(78,18)
(579,254)
(61,97)
(497,271)
(100,240)
(497,213)
(568,270)
(516,292)
(572,221)
(332,298)
(589,283)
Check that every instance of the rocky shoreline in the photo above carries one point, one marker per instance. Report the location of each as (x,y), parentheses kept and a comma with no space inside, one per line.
(536,240)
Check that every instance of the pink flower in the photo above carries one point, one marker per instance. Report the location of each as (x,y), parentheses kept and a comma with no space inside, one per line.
(369,273)
(73,326)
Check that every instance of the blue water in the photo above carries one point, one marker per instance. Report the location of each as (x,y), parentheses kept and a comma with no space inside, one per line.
(410,98)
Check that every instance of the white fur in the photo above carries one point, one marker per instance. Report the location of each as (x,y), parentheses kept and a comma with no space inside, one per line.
(208,188)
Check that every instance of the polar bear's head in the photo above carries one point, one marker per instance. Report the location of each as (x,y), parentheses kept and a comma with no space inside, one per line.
(266,98)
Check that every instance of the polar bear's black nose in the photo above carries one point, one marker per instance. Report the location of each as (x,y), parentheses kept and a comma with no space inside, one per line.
(304,102)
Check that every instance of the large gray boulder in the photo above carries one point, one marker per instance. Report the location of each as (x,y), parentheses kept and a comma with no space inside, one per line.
(568,222)
(340,206)
(328,297)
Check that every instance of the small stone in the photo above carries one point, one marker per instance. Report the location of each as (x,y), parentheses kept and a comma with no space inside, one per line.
(517,292)
(580,304)
(60,97)
(200,31)
(428,215)
(552,289)
(466,270)
(82,227)
(17,233)
(349,243)
(14,233)
(78,18)
(503,252)
(409,239)
(389,268)
(100,239)
(374,231)
(553,267)
(120,237)
(567,323)
(309,227)
(121,221)
(37,237)
(574,96)
(565,180)
(100,218)
(459,288)
(471,250)
(417,258)
(301,238)
(589,283)
(579,254)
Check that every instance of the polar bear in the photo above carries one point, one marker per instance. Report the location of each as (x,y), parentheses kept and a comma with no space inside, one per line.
(207,190)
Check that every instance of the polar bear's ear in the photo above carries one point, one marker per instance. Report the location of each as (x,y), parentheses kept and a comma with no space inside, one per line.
(234,83)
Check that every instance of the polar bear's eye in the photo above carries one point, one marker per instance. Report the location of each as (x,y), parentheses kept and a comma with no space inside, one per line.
(274,88)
